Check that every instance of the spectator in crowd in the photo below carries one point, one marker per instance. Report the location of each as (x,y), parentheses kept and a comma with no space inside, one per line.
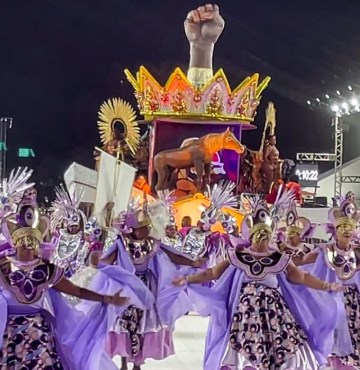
(142,184)
(186,224)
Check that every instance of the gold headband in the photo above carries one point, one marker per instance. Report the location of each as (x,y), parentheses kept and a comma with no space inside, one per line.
(260,226)
(345,221)
(26,232)
(294,230)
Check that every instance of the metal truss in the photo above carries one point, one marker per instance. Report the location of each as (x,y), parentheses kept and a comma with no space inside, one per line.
(316,157)
(350,179)
(339,138)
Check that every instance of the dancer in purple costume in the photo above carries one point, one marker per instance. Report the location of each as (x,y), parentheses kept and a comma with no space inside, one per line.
(68,225)
(339,262)
(263,314)
(291,237)
(230,238)
(145,332)
(201,243)
(32,308)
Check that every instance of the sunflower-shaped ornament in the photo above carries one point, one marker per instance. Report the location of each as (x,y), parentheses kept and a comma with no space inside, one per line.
(118,127)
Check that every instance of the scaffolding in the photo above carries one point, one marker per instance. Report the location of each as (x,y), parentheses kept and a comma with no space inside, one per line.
(336,157)
(315,157)
(339,138)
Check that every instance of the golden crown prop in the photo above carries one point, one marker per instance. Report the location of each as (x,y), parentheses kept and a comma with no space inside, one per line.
(180,98)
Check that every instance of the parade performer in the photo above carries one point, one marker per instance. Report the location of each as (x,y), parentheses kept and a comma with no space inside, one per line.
(32,308)
(143,332)
(201,242)
(291,237)
(67,224)
(172,238)
(338,262)
(269,319)
(92,245)
(230,238)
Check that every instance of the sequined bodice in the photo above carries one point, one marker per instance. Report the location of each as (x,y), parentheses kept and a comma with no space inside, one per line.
(140,251)
(175,242)
(28,283)
(344,263)
(258,266)
(194,243)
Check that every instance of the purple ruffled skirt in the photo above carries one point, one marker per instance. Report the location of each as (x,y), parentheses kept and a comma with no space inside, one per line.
(138,334)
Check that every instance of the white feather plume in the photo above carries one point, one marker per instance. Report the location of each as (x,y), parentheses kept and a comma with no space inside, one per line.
(14,187)
(65,205)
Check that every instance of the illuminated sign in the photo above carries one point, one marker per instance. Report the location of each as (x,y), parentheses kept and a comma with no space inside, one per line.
(26,153)
(308,174)
(3,147)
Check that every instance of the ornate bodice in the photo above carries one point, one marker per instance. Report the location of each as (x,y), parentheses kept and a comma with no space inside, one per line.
(28,282)
(140,251)
(344,263)
(70,252)
(194,244)
(299,251)
(258,266)
(175,242)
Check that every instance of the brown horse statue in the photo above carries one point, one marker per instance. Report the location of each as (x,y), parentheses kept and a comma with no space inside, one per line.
(198,154)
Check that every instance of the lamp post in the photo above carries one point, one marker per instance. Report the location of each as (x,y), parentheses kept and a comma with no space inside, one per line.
(5,124)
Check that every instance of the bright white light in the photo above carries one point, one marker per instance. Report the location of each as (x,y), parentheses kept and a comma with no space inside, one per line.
(338,92)
(350,88)
(335,108)
(327,96)
(308,102)
(318,100)
(354,102)
(345,106)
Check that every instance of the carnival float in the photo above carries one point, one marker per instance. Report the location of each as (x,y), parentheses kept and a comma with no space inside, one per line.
(189,138)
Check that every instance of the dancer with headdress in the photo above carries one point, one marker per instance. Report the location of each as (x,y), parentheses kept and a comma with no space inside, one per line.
(32,308)
(219,242)
(201,243)
(143,331)
(291,237)
(67,224)
(263,315)
(172,237)
(339,262)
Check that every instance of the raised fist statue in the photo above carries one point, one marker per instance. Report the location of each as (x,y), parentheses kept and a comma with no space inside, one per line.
(204,25)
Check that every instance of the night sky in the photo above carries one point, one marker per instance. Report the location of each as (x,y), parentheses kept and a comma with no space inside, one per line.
(61,59)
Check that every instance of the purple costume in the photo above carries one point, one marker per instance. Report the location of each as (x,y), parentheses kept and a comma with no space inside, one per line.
(141,333)
(258,319)
(144,329)
(38,326)
(342,266)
